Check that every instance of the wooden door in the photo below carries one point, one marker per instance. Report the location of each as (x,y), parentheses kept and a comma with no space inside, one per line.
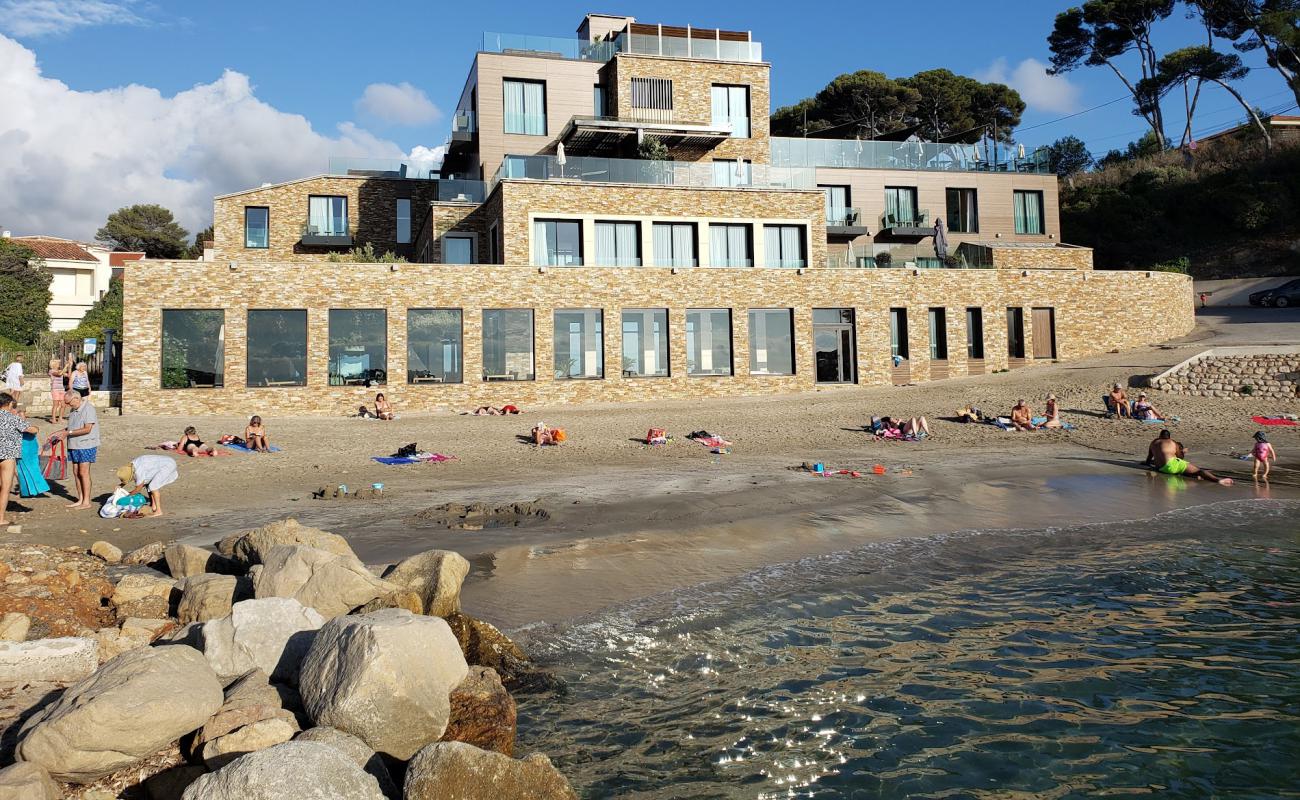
(1044,322)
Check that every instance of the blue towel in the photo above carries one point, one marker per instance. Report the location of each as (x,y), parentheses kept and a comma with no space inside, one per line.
(1158,421)
(395,462)
(244,449)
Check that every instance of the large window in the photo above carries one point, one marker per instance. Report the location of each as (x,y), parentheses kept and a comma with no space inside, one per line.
(579,344)
(1028,208)
(433,345)
(731,107)
(327,215)
(508,344)
(975,332)
(277,347)
(525,107)
(708,341)
(618,244)
(599,101)
(557,242)
(403,220)
(652,99)
(193,348)
(358,342)
(963,211)
(645,343)
(257,227)
(783,246)
(938,334)
(729,246)
(898,333)
(457,249)
(674,244)
(900,206)
(771,341)
(837,205)
(732,172)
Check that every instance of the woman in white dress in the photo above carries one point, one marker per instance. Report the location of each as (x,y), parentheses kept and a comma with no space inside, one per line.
(149,474)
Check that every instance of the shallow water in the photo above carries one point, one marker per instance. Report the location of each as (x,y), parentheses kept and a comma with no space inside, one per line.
(1157,657)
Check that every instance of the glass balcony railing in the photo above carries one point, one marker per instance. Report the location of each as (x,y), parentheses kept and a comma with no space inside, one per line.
(655,173)
(905,219)
(463,122)
(383,168)
(908,256)
(642,44)
(865,154)
(563,47)
(844,217)
(464,191)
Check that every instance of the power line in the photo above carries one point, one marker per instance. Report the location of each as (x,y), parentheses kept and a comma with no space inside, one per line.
(1070,116)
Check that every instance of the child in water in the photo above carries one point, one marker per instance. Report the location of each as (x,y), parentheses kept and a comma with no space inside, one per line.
(1263,453)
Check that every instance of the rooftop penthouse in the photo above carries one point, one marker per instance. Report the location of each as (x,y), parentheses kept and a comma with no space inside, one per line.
(602,42)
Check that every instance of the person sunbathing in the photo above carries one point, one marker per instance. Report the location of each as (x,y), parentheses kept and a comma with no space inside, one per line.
(255,436)
(383,409)
(1022,417)
(1119,401)
(543,435)
(1142,408)
(191,445)
(1169,457)
(490,411)
(1053,413)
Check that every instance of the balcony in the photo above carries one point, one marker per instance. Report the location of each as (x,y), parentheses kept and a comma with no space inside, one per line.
(650,40)
(655,173)
(905,256)
(571,48)
(592,135)
(382,168)
(463,127)
(326,236)
(924,156)
(845,222)
(915,224)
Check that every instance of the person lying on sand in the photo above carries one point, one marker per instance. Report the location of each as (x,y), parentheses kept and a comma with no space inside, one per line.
(1022,417)
(542,434)
(1169,457)
(490,411)
(191,445)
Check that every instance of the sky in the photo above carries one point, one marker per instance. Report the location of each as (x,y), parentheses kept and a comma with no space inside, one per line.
(105,103)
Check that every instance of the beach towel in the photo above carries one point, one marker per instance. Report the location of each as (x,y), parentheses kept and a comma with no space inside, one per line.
(713,441)
(31,482)
(162,446)
(1168,420)
(418,458)
(246,449)
(1274,421)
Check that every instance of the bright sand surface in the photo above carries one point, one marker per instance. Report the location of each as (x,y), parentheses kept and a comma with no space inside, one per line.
(627,520)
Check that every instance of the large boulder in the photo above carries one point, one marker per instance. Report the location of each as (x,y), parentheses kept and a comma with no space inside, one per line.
(14,627)
(436,575)
(289,771)
(384,677)
(132,633)
(184,560)
(251,547)
(251,718)
(25,781)
(146,593)
(485,646)
(131,708)
(332,584)
(462,771)
(482,713)
(208,596)
(147,555)
(358,751)
(67,658)
(107,551)
(272,634)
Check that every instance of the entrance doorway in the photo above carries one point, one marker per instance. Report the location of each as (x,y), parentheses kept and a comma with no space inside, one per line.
(1044,321)
(1015,333)
(835,345)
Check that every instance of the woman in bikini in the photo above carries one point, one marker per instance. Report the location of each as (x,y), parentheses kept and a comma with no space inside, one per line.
(1053,413)
(191,445)
(255,436)
(383,410)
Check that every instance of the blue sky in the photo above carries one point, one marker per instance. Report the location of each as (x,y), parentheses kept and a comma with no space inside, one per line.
(220,86)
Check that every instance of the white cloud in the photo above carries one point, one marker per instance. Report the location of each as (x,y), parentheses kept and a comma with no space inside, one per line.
(68,158)
(400,104)
(1040,91)
(46,17)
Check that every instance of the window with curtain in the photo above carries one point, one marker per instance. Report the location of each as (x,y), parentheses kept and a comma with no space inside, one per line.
(579,344)
(433,345)
(525,107)
(618,244)
(457,249)
(771,341)
(193,348)
(1028,208)
(837,205)
(900,204)
(731,107)
(645,343)
(963,211)
(257,227)
(508,344)
(783,246)
(652,99)
(938,334)
(599,101)
(557,242)
(732,172)
(674,244)
(277,347)
(327,215)
(708,341)
(729,245)
(358,347)
(403,220)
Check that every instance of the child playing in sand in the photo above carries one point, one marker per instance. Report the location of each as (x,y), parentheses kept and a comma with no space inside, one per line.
(1262,453)
(191,445)
(255,435)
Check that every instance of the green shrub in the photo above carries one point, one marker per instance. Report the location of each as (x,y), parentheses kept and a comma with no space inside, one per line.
(1180,265)
(365,255)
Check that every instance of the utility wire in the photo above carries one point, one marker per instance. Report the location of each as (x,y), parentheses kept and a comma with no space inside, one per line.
(1070,116)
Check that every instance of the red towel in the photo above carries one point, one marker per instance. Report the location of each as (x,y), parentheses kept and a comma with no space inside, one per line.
(1273,421)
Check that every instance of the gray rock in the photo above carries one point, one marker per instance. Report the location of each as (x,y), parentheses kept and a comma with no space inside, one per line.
(184,560)
(358,751)
(384,677)
(459,770)
(24,781)
(131,708)
(251,547)
(251,718)
(272,634)
(14,627)
(436,575)
(289,771)
(106,551)
(248,739)
(69,658)
(332,584)
(151,553)
(142,585)
(209,596)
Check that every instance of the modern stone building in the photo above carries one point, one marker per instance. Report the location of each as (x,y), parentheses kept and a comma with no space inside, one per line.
(614,221)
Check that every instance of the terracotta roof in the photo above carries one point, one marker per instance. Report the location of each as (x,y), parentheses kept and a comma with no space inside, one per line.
(120,259)
(49,247)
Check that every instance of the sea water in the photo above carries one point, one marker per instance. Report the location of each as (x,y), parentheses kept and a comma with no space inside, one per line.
(1156,658)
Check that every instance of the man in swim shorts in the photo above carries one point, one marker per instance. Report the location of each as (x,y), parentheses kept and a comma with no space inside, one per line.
(1168,456)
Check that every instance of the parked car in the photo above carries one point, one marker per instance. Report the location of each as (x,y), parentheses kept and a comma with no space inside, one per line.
(1288,294)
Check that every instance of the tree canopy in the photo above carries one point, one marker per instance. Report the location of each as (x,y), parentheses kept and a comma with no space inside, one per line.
(1068,156)
(24,293)
(937,104)
(1199,63)
(106,313)
(145,227)
(1269,25)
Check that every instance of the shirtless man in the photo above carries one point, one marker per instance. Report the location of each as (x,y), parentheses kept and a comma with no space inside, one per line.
(1169,457)
(1119,401)
(1022,417)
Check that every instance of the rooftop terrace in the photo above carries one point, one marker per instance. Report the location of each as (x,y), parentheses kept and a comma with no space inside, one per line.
(868,154)
(655,40)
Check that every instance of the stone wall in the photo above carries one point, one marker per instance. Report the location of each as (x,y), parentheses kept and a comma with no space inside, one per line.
(1058,257)
(445,218)
(1270,375)
(1095,312)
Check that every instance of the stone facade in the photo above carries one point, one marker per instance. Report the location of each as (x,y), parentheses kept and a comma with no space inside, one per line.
(453,218)
(1051,257)
(1094,312)
(1270,375)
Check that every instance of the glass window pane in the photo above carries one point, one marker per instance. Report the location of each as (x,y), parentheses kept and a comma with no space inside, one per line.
(403,220)
(729,245)
(193,348)
(327,215)
(433,345)
(358,341)
(645,342)
(557,242)
(508,344)
(257,227)
(674,244)
(771,341)
(618,244)
(525,107)
(938,334)
(708,341)
(277,347)
(783,245)
(457,250)
(579,344)
(975,332)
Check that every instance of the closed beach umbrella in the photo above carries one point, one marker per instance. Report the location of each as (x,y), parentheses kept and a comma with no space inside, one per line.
(940,239)
(559,154)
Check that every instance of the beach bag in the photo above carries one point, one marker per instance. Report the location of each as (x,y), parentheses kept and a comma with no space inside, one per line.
(559,435)
(656,436)
(111,509)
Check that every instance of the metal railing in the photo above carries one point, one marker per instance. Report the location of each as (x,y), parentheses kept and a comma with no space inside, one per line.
(868,154)
(916,219)
(561,47)
(576,49)
(654,173)
(906,256)
(843,217)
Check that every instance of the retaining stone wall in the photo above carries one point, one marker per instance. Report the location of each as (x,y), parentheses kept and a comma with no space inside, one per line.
(1270,375)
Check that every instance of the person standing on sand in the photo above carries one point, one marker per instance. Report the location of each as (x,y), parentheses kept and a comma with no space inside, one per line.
(82,437)
(1167,456)
(12,428)
(56,391)
(1262,453)
(81,379)
(14,379)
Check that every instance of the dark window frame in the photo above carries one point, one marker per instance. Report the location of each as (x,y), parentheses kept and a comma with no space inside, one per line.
(460,312)
(266,246)
(306,341)
(162,348)
(329,345)
(668,342)
(949,210)
(532,342)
